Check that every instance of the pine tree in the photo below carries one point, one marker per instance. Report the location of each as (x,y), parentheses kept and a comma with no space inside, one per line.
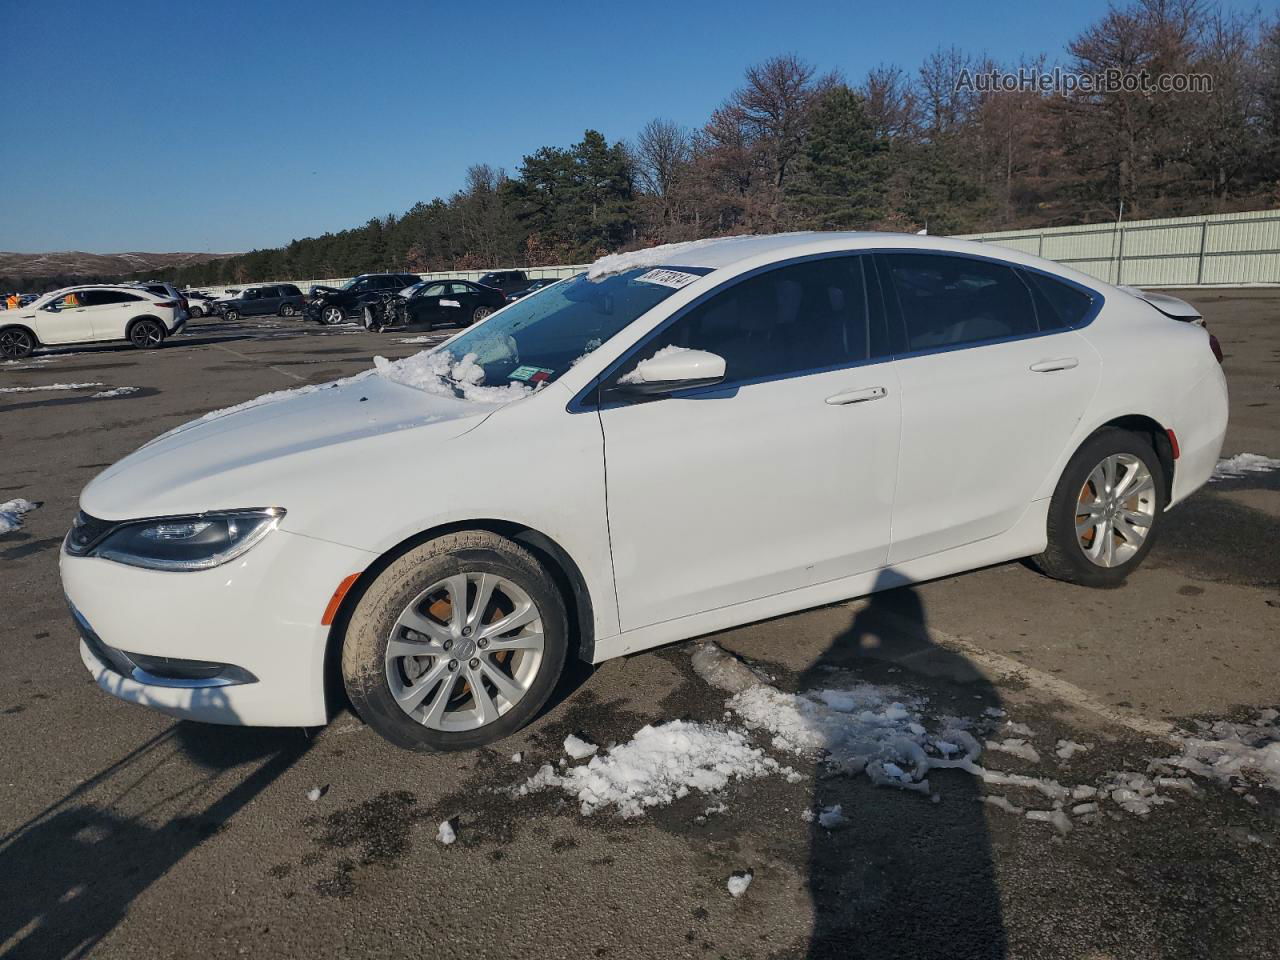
(841,182)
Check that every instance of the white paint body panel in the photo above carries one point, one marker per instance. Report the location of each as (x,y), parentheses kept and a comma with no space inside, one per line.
(682,515)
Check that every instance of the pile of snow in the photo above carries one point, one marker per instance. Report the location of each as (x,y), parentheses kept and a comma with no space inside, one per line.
(440,372)
(1242,464)
(115,392)
(1232,753)
(659,765)
(738,883)
(13,512)
(832,818)
(578,748)
(445,833)
(50,386)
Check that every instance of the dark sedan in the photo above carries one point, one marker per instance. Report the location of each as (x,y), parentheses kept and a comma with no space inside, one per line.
(450,302)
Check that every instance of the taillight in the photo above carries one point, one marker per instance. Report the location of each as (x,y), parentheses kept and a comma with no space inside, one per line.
(166,303)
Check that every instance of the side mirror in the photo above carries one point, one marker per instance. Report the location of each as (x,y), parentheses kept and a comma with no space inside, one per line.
(670,369)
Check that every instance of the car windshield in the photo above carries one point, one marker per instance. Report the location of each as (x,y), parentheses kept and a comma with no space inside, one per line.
(537,338)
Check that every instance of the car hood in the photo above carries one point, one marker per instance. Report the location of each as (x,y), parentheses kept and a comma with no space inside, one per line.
(263,453)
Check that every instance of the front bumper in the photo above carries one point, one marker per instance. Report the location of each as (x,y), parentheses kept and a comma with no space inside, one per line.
(258,615)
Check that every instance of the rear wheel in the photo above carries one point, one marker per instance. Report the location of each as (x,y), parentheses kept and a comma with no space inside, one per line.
(331,315)
(146,334)
(196,312)
(480,313)
(456,644)
(1105,510)
(287,310)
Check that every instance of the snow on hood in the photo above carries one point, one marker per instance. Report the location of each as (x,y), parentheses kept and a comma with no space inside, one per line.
(439,372)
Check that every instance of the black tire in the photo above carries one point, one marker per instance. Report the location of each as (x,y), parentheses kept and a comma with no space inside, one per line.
(146,334)
(1065,557)
(480,312)
(16,343)
(287,310)
(373,620)
(330,315)
(231,314)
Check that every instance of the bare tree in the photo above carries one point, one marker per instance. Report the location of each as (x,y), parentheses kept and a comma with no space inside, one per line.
(661,151)
(890,102)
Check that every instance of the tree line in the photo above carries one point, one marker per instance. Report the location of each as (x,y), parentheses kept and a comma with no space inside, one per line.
(796,148)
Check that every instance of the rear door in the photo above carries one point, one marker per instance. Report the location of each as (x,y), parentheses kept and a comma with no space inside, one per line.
(782,476)
(111,312)
(991,394)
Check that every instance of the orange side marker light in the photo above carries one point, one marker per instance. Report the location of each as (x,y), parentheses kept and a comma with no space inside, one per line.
(335,601)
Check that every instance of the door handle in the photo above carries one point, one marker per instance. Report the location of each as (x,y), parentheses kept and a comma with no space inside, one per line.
(858,396)
(1062,363)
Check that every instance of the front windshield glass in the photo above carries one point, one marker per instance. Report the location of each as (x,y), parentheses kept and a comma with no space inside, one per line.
(536,339)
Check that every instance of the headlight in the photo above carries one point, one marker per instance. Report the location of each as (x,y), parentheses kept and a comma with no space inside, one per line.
(174,543)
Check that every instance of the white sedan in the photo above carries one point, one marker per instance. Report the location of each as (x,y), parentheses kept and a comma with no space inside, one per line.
(674,442)
(91,313)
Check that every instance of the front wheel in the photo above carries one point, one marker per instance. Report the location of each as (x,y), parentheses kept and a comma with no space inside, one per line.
(456,644)
(16,343)
(231,314)
(146,334)
(331,315)
(1105,511)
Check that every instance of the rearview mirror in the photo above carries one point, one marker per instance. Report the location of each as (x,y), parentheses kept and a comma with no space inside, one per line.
(673,368)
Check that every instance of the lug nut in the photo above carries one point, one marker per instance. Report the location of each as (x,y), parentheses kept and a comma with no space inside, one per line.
(448,644)
(466,631)
(453,664)
(482,642)
(475,662)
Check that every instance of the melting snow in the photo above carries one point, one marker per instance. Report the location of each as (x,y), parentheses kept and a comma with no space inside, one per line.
(832,818)
(445,833)
(1015,747)
(1066,749)
(115,392)
(659,765)
(578,748)
(50,386)
(738,883)
(1230,752)
(1242,464)
(13,513)
(440,372)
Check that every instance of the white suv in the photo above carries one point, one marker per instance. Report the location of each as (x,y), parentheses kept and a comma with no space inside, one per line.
(90,314)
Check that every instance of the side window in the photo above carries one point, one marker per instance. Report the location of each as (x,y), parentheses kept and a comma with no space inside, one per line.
(1058,305)
(951,301)
(99,298)
(807,316)
(460,288)
(434,290)
(289,290)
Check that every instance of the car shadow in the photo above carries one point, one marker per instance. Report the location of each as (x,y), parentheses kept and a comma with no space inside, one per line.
(74,869)
(908,875)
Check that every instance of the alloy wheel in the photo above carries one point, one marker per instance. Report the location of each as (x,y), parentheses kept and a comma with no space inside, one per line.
(331,315)
(480,314)
(1115,510)
(15,344)
(464,651)
(146,334)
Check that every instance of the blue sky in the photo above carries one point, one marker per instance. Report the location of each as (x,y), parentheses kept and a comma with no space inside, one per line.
(224,126)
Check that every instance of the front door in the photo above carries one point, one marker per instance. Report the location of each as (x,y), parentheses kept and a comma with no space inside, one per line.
(65,320)
(780,477)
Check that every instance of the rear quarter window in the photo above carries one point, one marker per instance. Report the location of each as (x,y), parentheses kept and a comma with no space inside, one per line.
(1059,305)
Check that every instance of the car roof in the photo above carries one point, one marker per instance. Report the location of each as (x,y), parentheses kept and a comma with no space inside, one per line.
(719,252)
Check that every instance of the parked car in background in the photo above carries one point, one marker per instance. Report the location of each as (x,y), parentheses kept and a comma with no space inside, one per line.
(165,291)
(721,432)
(281,299)
(533,287)
(199,304)
(508,281)
(434,303)
(92,313)
(330,305)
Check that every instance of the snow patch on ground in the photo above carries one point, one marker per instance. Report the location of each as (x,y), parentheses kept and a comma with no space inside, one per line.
(738,883)
(1066,749)
(1243,464)
(659,765)
(50,386)
(115,392)
(445,833)
(578,748)
(13,513)
(1015,747)
(1232,753)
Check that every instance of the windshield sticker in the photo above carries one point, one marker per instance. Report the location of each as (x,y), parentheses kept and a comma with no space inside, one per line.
(450,303)
(667,278)
(530,374)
